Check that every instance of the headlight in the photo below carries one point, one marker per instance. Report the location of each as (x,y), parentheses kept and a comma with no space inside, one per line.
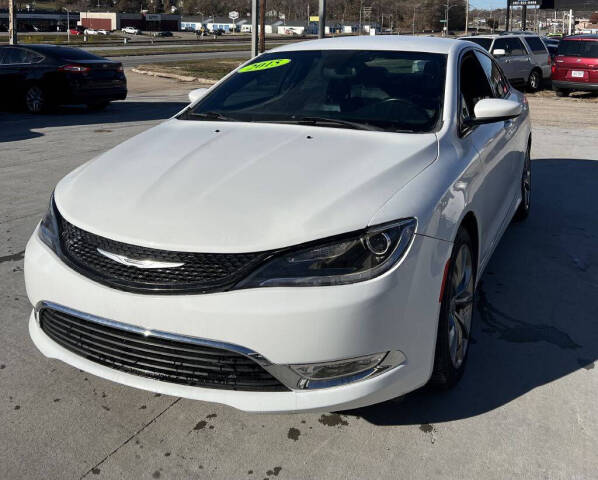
(48,227)
(349,259)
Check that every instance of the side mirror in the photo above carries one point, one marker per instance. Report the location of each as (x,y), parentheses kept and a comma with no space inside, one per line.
(196,94)
(499,52)
(490,110)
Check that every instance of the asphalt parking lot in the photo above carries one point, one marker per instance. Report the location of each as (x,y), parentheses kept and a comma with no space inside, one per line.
(526,407)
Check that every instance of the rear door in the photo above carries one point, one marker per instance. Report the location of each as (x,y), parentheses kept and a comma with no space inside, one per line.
(505,60)
(520,60)
(539,54)
(13,69)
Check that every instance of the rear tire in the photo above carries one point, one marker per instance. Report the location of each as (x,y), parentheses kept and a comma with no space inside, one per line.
(526,189)
(36,100)
(456,315)
(96,107)
(562,93)
(534,82)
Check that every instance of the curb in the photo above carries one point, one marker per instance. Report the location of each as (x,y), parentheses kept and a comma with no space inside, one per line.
(181,78)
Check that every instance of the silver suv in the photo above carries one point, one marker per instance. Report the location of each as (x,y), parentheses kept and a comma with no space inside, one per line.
(523,57)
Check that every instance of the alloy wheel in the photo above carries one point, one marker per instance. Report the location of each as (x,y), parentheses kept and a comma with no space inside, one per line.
(534,81)
(461,305)
(34,99)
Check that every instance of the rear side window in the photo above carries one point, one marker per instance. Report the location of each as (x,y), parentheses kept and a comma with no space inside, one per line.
(19,56)
(578,48)
(501,44)
(515,46)
(71,54)
(536,45)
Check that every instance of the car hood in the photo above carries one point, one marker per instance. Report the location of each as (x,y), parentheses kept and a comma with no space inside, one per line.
(239,187)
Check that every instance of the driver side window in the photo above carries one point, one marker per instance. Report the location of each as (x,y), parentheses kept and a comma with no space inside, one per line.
(473,86)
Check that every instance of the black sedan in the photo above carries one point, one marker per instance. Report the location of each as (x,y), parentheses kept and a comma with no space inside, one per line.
(41,76)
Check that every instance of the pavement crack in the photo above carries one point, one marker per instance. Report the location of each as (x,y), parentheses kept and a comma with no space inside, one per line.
(13,257)
(130,438)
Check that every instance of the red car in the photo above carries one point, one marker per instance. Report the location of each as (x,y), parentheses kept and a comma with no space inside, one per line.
(74,31)
(575,65)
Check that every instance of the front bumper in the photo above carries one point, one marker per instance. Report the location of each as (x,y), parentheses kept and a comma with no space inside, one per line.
(397,311)
(581,86)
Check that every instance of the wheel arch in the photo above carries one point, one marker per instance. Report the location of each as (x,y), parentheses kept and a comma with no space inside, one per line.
(470,224)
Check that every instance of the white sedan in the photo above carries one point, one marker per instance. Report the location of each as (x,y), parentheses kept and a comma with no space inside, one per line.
(306,235)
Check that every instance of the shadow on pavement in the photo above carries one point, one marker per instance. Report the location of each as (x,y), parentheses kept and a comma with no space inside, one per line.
(537,304)
(15,126)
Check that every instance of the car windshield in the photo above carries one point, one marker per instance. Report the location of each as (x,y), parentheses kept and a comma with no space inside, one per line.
(482,42)
(578,48)
(373,90)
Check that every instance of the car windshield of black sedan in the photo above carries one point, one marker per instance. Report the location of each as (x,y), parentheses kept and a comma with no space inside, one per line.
(369,90)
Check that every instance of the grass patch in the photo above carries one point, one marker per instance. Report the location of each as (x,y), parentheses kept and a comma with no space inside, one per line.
(163,51)
(209,69)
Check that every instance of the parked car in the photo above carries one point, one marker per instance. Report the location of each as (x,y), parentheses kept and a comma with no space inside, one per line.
(90,31)
(523,58)
(332,265)
(41,76)
(162,34)
(103,32)
(131,30)
(74,31)
(575,67)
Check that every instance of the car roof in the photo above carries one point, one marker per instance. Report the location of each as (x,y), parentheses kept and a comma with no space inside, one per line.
(378,42)
(586,36)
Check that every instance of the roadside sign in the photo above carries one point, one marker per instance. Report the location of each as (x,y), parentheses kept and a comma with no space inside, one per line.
(233,15)
(522,3)
(314,18)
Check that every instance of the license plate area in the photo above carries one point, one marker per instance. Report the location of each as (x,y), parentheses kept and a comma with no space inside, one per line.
(577,73)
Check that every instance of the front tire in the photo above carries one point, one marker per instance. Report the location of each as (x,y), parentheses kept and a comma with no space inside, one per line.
(36,100)
(456,314)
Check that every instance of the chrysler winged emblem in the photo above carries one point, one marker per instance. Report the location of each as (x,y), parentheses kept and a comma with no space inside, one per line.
(139,263)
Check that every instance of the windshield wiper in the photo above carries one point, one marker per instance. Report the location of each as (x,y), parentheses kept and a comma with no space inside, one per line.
(335,121)
(211,116)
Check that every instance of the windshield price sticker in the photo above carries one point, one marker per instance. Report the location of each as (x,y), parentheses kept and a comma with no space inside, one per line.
(256,67)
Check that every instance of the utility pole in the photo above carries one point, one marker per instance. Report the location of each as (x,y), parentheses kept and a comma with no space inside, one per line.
(466,15)
(413,22)
(508,19)
(446,19)
(12,23)
(262,26)
(524,17)
(322,22)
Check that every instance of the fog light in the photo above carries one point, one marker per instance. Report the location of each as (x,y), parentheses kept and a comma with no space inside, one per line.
(339,372)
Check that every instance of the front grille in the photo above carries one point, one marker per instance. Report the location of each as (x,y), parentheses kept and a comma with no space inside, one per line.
(201,272)
(156,357)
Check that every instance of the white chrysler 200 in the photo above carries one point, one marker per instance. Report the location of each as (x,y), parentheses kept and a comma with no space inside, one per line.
(306,235)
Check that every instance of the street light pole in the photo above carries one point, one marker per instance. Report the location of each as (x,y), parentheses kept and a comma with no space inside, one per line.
(254,28)
(68,26)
